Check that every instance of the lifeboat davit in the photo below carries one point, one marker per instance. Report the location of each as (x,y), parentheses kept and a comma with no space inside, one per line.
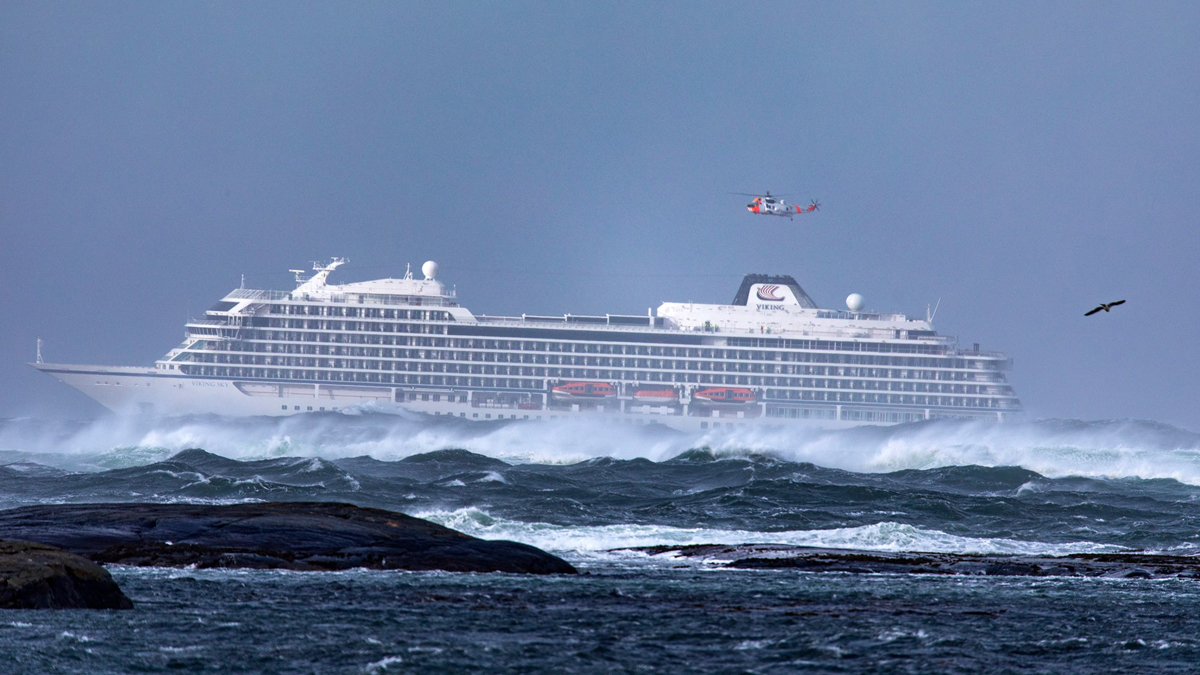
(585,390)
(725,395)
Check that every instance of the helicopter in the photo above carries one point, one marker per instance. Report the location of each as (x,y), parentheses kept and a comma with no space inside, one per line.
(768,205)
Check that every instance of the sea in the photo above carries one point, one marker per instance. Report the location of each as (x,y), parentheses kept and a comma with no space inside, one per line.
(594,493)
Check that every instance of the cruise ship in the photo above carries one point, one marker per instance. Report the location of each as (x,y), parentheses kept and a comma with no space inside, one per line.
(772,356)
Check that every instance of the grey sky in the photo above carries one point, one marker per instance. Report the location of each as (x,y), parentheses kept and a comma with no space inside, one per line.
(1020,161)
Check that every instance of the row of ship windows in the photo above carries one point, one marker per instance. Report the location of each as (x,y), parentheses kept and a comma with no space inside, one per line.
(310,408)
(282,312)
(676,367)
(359,312)
(833,390)
(844,345)
(886,416)
(486,416)
(590,357)
(854,415)
(336,332)
(342,326)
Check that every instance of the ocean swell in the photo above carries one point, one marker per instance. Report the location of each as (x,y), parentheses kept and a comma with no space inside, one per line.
(1053,448)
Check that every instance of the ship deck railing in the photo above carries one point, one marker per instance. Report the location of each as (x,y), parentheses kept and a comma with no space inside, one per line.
(619,323)
(615,322)
(355,298)
(977,352)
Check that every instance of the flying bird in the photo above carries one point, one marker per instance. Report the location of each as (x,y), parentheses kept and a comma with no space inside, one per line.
(1106,306)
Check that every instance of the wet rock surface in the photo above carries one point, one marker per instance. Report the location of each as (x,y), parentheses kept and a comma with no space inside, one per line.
(36,576)
(773,556)
(275,535)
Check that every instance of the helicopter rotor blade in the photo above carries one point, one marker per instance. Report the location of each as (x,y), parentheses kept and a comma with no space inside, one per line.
(816,205)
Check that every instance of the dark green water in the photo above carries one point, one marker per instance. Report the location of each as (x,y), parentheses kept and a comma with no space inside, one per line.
(617,619)
(1039,488)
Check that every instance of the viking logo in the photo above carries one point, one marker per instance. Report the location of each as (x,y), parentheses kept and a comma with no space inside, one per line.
(768,293)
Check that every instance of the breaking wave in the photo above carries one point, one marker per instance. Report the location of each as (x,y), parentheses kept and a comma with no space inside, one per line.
(1053,448)
(698,496)
(883,536)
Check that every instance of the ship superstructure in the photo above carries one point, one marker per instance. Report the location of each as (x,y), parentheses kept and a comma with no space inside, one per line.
(771,356)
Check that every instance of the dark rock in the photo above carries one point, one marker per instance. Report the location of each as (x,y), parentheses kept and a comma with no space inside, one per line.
(1007,568)
(36,576)
(275,535)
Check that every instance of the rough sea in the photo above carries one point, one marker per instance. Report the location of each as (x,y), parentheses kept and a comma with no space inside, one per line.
(589,492)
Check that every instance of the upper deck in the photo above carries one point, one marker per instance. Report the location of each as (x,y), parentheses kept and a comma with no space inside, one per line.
(773,306)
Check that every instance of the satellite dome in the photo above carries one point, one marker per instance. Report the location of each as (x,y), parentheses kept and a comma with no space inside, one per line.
(429,269)
(855,302)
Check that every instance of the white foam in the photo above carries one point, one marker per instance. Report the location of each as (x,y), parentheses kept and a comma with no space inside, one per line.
(882,536)
(384,665)
(1109,449)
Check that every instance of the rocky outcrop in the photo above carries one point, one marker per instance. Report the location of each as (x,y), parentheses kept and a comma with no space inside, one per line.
(35,576)
(274,535)
(780,556)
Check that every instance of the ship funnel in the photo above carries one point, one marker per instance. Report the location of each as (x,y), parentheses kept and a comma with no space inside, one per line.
(771,289)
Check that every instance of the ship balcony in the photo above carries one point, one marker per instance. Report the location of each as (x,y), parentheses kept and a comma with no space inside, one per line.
(209,329)
(977,353)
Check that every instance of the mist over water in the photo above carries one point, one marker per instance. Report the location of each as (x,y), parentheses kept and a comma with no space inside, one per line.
(1052,448)
(582,488)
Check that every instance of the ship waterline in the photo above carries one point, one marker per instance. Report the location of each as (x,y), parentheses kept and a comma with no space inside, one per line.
(772,356)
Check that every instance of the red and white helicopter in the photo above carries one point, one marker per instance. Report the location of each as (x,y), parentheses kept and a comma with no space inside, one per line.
(768,205)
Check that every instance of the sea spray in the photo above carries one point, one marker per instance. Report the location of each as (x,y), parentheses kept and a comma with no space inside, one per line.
(1054,448)
(698,496)
(882,536)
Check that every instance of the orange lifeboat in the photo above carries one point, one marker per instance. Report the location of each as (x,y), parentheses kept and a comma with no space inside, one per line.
(659,396)
(585,390)
(737,395)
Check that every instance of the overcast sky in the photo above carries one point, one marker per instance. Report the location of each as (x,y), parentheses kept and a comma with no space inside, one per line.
(1019,161)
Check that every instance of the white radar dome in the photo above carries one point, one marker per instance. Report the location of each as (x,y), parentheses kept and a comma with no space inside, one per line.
(855,302)
(430,269)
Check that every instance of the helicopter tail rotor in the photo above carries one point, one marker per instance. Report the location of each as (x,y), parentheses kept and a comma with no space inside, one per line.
(813,206)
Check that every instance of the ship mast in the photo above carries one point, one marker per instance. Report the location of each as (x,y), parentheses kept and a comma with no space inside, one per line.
(317,281)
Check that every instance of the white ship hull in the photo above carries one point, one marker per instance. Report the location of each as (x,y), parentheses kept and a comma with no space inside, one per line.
(132,390)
